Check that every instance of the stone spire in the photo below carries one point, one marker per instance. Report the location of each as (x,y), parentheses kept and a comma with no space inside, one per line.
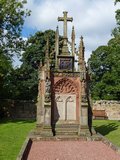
(81,61)
(56,46)
(73,41)
(47,61)
(65,19)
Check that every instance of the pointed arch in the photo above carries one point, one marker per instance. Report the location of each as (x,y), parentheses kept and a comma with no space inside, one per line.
(65,85)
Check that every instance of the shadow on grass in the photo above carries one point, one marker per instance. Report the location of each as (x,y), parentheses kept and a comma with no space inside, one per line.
(106,129)
(3,121)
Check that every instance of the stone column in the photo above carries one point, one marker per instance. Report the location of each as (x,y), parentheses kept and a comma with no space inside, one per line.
(40,103)
(56,47)
(47,109)
(84,106)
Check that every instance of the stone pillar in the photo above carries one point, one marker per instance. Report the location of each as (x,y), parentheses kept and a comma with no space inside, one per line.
(84,106)
(73,41)
(40,101)
(56,47)
(47,129)
(84,115)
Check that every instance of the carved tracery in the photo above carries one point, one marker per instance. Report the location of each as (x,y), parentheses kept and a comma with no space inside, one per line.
(65,86)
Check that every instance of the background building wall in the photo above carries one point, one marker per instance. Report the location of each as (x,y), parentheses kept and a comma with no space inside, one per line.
(17,109)
(112,108)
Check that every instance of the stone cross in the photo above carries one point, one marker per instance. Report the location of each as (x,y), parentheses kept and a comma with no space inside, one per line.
(65,19)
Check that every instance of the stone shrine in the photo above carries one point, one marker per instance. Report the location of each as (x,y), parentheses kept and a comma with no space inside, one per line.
(63,106)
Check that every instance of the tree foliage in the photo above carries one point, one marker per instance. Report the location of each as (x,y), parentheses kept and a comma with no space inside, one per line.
(5,70)
(116,30)
(25,81)
(12,15)
(104,65)
(35,48)
(105,71)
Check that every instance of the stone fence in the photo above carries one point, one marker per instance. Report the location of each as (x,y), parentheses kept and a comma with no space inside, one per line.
(17,109)
(112,108)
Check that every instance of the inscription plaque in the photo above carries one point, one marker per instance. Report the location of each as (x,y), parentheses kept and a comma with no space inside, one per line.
(65,63)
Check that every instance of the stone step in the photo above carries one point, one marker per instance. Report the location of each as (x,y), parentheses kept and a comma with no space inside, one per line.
(70,137)
(66,131)
(67,126)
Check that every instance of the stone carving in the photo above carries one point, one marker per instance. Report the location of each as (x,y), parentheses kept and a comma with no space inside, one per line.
(47,90)
(47,86)
(65,19)
(69,99)
(71,74)
(65,86)
(47,98)
(58,99)
(83,90)
(83,87)
(84,98)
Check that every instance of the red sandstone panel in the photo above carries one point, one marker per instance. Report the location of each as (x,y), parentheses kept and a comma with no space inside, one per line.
(69,87)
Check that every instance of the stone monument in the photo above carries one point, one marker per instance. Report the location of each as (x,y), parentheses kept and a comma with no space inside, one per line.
(63,99)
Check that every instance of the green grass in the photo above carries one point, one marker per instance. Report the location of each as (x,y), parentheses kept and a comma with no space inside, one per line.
(110,129)
(12,136)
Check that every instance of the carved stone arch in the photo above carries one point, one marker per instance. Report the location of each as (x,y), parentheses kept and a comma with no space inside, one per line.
(69,99)
(58,99)
(65,85)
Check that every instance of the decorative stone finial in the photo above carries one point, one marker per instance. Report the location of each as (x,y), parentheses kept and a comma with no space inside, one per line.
(81,48)
(56,45)
(47,61)
(73,41)
(47,50)
(81,61)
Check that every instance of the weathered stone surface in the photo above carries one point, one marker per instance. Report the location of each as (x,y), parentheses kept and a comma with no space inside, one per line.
(112,108)
(65,107)
(63,92)
(84,116)
(18,109)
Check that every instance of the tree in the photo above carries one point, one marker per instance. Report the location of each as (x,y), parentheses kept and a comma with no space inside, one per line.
(116,30)
(5,69)
(105,71)
(36,46)
(12,15)
(25,81)
(104,65)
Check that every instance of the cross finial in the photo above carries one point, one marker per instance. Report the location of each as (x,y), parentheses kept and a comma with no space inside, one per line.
(65,19)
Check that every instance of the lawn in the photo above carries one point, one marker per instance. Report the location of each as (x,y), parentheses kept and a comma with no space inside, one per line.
(12,136)
(110,129)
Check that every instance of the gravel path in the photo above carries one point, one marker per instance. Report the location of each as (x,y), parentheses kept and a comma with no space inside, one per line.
(71,150)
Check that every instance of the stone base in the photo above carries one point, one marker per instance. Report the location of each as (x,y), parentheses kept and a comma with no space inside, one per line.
(62,130)
(45,131)
(66,129)
(84,132)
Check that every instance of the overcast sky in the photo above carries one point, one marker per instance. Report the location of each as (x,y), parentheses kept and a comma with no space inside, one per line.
(93,19)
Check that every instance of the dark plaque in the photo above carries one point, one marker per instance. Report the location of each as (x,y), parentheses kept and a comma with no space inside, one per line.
(66,63)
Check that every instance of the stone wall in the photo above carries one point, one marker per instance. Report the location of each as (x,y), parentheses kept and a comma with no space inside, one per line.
(27,109)
(112,108)
(17,109)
